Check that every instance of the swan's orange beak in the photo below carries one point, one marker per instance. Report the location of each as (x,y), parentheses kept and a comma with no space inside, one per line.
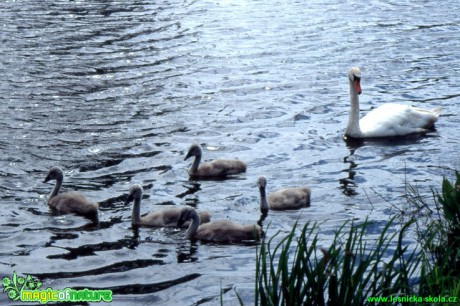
(357,85)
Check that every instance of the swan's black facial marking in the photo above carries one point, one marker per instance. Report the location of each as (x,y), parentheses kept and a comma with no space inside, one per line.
(356,78)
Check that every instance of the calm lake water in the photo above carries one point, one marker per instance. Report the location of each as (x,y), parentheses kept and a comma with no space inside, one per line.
(114,92)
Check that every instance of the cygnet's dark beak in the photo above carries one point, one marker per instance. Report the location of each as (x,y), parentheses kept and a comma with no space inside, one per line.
(129,199)
(189,154)
(47,179)
(180,222)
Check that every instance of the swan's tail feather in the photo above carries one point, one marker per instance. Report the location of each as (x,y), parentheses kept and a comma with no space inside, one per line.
(436,111)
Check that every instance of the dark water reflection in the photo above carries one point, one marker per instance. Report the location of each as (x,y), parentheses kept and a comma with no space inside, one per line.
(115,92)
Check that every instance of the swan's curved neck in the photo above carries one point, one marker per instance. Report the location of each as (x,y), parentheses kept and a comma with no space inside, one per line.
(56,188)
(136,215)
(263,200)
(353,128)
(196,162)
(193,227)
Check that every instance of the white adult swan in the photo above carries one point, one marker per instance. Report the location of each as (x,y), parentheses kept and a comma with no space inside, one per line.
(283,199)
(69,202)
(216,168)
(167,217)
(222,231)
(387,120)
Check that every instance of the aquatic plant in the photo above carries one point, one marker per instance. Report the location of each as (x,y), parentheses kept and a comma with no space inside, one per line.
(440,273)
(296,272)
(450,201)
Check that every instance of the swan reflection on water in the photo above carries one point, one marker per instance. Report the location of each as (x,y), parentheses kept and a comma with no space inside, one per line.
(396,146)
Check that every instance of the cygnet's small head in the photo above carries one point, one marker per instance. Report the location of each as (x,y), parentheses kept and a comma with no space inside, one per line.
(135,192)
(195,150)
(261,182)
(54,173)
(354,75)
(185,215)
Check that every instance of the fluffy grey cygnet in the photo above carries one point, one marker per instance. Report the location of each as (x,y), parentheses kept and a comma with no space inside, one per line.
(166,217)
(283,199)
(221,231)
(216,168)
(69,202)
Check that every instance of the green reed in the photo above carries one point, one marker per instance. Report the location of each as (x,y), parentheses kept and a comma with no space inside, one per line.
(440,273)
(295,271)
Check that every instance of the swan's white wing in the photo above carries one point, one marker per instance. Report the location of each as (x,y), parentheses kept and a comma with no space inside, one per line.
(396,120)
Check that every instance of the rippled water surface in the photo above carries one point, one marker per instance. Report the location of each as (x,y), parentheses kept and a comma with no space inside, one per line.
(114,92)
